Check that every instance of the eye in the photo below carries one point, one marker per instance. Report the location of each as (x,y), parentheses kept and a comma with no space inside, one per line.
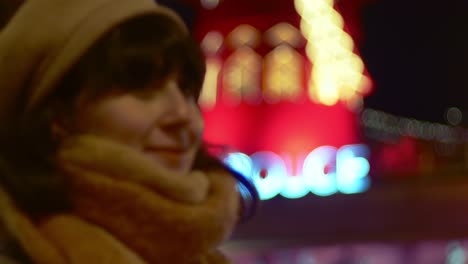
(148,91)
(189,88)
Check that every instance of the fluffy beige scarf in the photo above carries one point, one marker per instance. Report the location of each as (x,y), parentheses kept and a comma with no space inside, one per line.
(127,209)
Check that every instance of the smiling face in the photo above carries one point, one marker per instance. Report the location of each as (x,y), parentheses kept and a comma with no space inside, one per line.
(138,85)
(159,120)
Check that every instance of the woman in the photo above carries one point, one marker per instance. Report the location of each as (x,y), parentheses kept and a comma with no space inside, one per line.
(100,139)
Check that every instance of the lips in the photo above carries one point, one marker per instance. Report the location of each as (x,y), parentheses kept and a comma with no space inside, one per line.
(169,157)
(167,149)
(169,153)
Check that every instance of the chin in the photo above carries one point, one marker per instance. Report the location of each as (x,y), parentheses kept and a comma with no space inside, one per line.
(177,163)
(177,166)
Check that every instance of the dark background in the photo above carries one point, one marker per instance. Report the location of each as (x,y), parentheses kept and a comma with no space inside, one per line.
(417,54)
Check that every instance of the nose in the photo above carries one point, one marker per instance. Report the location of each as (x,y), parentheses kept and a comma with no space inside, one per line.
(177,112)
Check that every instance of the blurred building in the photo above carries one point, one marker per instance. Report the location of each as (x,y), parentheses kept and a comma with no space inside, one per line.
(349,117)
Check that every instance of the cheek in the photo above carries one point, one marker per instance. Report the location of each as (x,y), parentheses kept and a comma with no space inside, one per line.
(197,122)
(121,120)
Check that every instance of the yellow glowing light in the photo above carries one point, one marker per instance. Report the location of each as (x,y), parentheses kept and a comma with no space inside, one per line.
(283,54)
(328,94)
(338,72)
(283,33)
(306,29)
(355,104)
(336,18)
(209,93)
(365,85)
(325,87)
(346,41)
(241,76)
(212,42)
(282,74)
(355,63)
(244,35)
(306,8)
(311,52)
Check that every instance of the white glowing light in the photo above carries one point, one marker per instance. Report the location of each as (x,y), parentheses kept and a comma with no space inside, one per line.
(387,123)
(294,188)
(270,184)
(338,72)
(239,162)
(325,89)
(454,116)
(456,254)
(352,169)
(318,181)
(209,4)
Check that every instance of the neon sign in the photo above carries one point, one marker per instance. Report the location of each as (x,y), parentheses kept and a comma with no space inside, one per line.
(324,171)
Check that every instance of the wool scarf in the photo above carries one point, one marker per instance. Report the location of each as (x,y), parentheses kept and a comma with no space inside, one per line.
(128,209)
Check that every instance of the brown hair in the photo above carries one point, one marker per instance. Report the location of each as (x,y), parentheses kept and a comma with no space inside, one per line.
(7,9)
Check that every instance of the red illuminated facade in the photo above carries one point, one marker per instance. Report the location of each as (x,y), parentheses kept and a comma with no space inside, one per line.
(401,210)
(293,126)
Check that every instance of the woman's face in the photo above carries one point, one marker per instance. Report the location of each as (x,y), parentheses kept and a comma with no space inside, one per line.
(159,120)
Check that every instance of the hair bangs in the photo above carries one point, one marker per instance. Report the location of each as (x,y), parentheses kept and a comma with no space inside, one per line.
(137,60)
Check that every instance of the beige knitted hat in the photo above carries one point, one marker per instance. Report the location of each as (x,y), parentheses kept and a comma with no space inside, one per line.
(46,38)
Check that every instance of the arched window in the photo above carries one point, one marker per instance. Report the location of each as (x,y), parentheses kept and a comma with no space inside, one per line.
(283,74)
(283,67)
(211,45)
(242,69)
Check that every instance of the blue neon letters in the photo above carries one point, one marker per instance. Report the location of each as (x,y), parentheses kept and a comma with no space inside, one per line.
(324,171)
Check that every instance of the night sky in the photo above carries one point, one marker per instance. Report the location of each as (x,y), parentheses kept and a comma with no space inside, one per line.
(417,53)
